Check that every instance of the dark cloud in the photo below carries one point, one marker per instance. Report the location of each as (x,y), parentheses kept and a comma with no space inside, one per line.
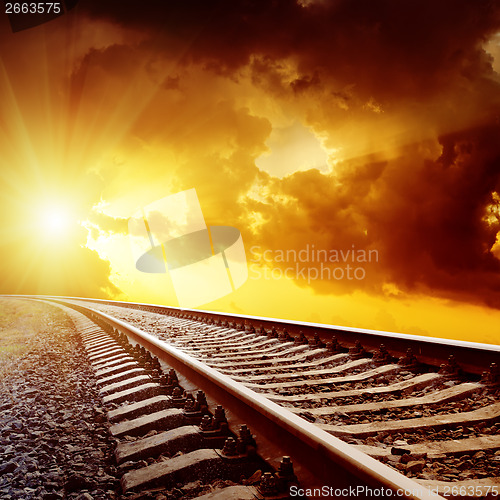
(386,47)
(438,234)
(427,217)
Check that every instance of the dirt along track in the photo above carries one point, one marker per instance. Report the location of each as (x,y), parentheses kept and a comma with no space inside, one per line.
(54,441)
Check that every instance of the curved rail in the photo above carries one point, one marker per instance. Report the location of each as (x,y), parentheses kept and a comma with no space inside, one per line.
(320,459)
(471,356)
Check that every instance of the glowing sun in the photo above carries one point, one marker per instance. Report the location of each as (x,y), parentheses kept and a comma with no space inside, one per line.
(55,221)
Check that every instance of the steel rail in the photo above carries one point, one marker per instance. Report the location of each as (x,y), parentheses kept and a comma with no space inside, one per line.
(320,459)
(472,357)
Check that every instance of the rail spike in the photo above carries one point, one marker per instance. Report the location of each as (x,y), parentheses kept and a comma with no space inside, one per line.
(268,486)
(246,436)
(201,401)
(358,351)
(178,397)
(216,425)
(245,442)
(301,338)
(286,475)
(219,415)
(450,369)
(190,404)
(206,423)
(230,449)
(284,336)
(491,377)
(334,346)
(409,360)
(382,356)
(273,334)
(316,341)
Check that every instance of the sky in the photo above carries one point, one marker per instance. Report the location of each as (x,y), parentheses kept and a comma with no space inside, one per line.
(355,144)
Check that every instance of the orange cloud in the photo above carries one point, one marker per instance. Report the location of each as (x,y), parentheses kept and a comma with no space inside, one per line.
(399,101)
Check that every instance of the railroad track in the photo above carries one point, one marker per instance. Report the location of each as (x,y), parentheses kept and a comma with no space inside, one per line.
(405,416)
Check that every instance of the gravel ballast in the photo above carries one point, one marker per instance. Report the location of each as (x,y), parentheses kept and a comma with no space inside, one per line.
(54,441)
